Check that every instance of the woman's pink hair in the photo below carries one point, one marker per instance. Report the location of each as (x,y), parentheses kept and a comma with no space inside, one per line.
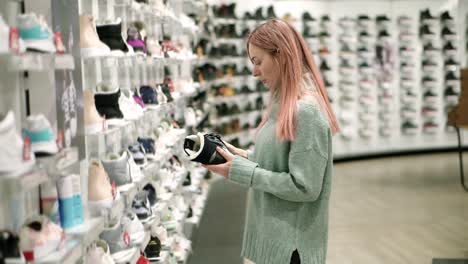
(294,59)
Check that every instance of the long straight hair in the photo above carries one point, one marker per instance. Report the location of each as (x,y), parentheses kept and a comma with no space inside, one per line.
(299,75)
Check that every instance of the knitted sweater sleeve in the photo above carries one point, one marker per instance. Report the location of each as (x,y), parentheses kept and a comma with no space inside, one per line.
(308,159)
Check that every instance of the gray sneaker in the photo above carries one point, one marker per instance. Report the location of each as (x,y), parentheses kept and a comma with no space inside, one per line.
(119,241)
(117,168)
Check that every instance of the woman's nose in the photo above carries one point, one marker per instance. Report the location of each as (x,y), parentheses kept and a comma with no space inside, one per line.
(256,72)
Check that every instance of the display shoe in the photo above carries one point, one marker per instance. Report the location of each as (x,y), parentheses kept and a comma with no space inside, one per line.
(16,157)
(141,206)
(119,241)
(154,49)
(138,154)
(458,116)
(107,104)
(35,33)
(94,123)
(40,237)
(9,248)
(39,131)
(4,36)
(162,98)
(111,35)
(149,96)
(409,128)
(134,227)
(307,17)
(130,109)
(91,45)
(117,167)
(151,191)
(149,146)
(101,195)
(135,171)
(135,39)
(153,249)
(99,253)
(202,148)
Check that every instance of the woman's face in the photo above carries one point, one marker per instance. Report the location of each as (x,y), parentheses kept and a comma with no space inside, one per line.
(265,69)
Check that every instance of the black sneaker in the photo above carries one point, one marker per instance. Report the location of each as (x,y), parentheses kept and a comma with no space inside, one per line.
(363,18)
(202,148)
(450,63)
(383,34)
(409,127)
(428,62)
(430,47)
(450,92)
(449,47)
(111,35)
(447,32)
(382,19)
(324,66)
(429,93)
(426,30)
(271,12)
(107,103)
(450,76)
(307,17)
(425,14)
(248,16)
(428,79)
(258,15)
(446,16)
(153,249)
(8,245)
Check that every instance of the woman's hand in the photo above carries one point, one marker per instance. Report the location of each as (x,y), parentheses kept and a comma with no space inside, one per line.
(221,169)
(236,151)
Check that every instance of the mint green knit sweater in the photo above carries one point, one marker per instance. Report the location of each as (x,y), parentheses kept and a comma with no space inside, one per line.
(289,193)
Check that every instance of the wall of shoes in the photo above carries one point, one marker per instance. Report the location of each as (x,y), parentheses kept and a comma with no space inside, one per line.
(97,97)
(391,72)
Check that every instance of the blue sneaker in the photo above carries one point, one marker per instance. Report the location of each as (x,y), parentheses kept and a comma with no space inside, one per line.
(39,131)
(35,33)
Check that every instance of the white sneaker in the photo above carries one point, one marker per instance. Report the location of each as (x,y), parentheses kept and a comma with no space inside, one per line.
(39,131)
(13,162)
(134,227)
(130,109)
(135,172)
(4,36)
(99,253)
(35,33)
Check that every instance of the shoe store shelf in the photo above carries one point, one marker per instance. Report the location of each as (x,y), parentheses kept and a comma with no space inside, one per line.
(66,161)
(39,62)
(220,20)
(23,183)
(237,98)
(236,80)
(88,232)
(361,148)
(242,134)
(70,252)
(241,116)
(220,60)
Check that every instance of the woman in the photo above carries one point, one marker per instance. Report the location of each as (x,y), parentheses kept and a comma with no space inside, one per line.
(289,172)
